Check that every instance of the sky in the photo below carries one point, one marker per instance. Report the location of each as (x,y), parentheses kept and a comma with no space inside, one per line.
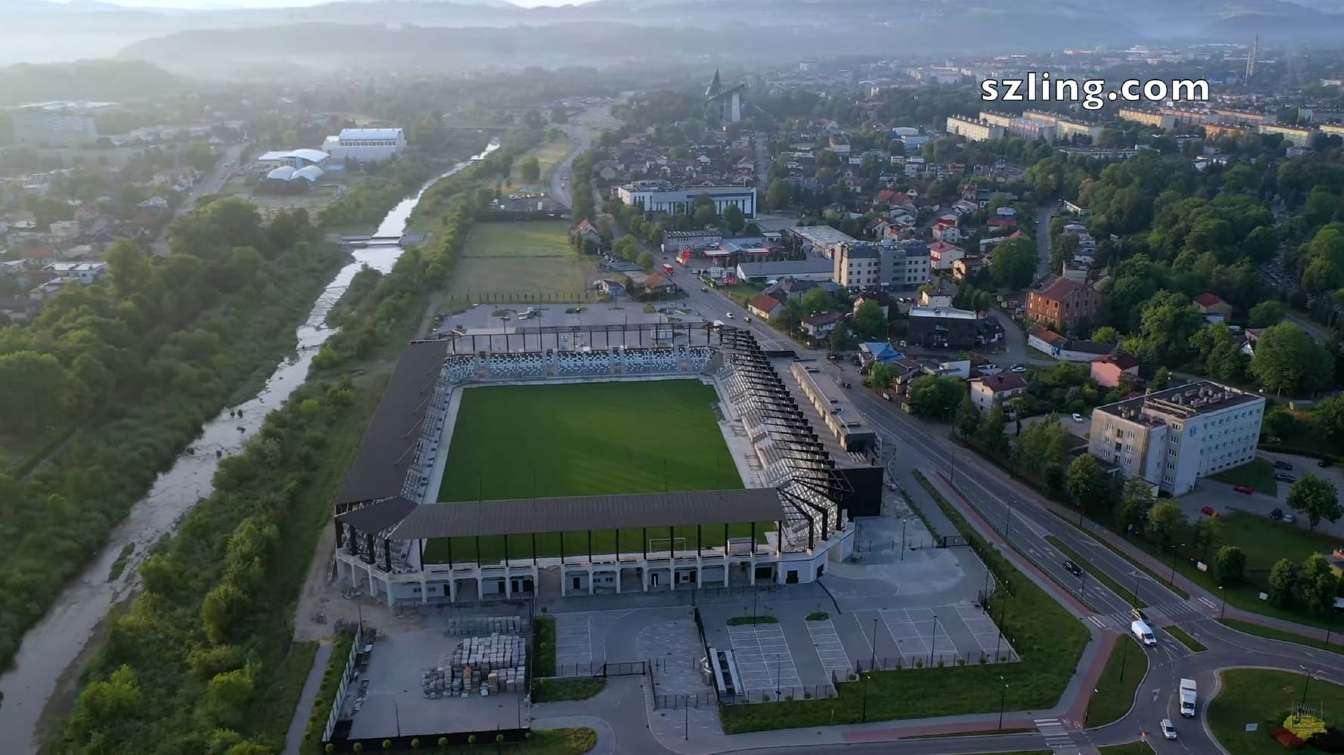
(216,4)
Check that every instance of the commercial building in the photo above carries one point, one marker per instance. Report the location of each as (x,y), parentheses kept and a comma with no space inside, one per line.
(295,159)
(1173,438)
(973,129)
(810,269)
(819,239)
(660,196)
(903,264)
(950,328)
(1063,303)
(365,145)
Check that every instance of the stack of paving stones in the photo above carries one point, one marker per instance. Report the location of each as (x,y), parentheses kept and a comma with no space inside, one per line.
(496,662)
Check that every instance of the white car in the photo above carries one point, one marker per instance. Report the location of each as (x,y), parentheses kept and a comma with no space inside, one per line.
(730,315)
(1077,417)
(1168,730)
(1018,368)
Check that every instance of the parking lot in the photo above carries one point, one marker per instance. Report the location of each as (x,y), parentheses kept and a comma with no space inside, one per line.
(930,636)
(764,661)
(830,649)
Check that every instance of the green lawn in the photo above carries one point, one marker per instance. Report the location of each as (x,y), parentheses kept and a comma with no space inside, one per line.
(543,646)
(557,690)
(540,238)
(1133,748)
(1185,639)
(1049,640)
(586,439)
(1258,473)
(1264,542)
(1267,698)
(1278,634)
(1115,689)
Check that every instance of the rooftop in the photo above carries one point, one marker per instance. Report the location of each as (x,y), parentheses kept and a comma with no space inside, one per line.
(1181,402)
(822,235)
(945,313)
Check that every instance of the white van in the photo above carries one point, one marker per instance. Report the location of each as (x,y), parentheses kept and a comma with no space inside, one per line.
(1143,633)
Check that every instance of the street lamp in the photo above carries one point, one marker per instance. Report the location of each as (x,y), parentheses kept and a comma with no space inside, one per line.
(1003,699)
(1305,685)
(933,638)
(865,696)
(1223,594)
(872,664)
(1171,582)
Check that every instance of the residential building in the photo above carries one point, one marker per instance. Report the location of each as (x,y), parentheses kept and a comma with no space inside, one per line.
(662,196)
(1245,116)
(819,239)
(1146,117)
(1300,137)
(56,123)
(995,389)
(1217,129)
(78,272)
(365,145)
(950,328)
(1112,369)
(1214,309)
(945,229)
(1174,437)
(1332,129)
(857,265)
(942,255)
(764,307)
(973,129)
(1065,127)
(820,326)
(1063,303)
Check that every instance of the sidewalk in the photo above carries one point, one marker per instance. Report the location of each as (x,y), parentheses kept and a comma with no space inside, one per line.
(299,724)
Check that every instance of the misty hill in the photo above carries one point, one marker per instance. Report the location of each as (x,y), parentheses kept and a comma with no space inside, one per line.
(85,80)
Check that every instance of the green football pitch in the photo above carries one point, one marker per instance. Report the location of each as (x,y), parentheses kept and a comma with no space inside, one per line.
(538,441)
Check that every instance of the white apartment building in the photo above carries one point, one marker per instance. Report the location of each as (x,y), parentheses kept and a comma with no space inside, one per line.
(1065,128)
(1174,437)
(904,264)
(1300,137)
(1146,117)
(661,196)
(857,265)
(365,145)
(973,129)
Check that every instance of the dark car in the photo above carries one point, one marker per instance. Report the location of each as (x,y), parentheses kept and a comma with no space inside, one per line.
(1283,465)
(1073,568)
(1281,477)
(1244,489)
(1325,463)
(1276,514)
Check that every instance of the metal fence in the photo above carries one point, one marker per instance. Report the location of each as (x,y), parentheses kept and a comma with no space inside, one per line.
(782,694)
(915,661)
(604,669)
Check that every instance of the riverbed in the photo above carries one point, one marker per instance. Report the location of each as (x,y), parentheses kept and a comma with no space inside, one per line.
(57,640)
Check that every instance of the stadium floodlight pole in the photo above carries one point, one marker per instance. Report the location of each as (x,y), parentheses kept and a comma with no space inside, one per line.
(873,663)
(933,638)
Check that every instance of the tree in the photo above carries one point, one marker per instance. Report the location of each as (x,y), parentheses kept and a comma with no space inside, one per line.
(869,322)
(1106,334)
(968,417)
(839,339)
(1086,481)
(1230,565)
(935,396)
(1165,521)
(1283,577)
(1316,498)
(817,301)
(879,376)
(1208,532)
(1287,359)
(1317,584)
(35,389)
(1167,323)
(1161,379)
(645,261)
(1014,263)
(1266,313)
(733,219)
(1328,416)
(989,435)
(777,195)
(1136,499)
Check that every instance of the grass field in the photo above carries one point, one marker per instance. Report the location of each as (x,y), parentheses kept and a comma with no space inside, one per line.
(1115,690)
(585,439)
(1264,542)
(521,261)
(1258,473)
(548,156)
(1267,698)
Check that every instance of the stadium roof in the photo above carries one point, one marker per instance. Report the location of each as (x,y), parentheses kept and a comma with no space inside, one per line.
(369,133)
(599,512)
(378,516)
(385,453)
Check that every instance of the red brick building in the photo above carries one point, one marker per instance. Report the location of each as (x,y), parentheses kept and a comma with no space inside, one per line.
(1063,303)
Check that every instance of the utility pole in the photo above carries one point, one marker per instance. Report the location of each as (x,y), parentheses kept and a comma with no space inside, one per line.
(1003,699)
(872,664)
(933,639)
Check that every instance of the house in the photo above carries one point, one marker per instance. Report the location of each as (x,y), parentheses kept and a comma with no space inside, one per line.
(945,229)
(658,284)
(878,351)
(1111,369)
(764,306)
(587,233)
(610,287)
(967,266)
(938,294)
(942,254)
(1065,349)
(1063,303)
(821,326)
(1214,309)
(995,389)
(882,301)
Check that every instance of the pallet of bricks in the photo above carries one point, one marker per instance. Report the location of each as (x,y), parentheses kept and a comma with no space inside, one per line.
(497,663)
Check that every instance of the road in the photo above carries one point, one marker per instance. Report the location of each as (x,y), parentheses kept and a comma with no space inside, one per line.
(581,129)
(1011,512)
(213,183)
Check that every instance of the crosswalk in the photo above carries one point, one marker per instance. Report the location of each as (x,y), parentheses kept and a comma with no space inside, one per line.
(1165,613)
(1057,738)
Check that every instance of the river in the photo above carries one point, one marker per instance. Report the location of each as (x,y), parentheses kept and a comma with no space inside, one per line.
(57,640)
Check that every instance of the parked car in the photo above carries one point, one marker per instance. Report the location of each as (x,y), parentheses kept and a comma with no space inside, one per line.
(834,357)
(730,315)
(1072,568)
(1077,417)
(1289,517)
(1325,463)
(1283,465)
(1244,489)
(1018,368)
(1276,514)
(1208,511)
(1282,477)
(1168,730)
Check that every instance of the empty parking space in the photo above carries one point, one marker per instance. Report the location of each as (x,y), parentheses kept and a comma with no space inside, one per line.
(829,648)
(763,658)
(917,633)
(573,641)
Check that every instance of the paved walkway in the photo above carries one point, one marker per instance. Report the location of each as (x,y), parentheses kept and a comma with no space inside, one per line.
(299,724)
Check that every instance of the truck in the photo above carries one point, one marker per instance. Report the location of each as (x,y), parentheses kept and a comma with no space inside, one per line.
(1142,632)
(1189,695)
